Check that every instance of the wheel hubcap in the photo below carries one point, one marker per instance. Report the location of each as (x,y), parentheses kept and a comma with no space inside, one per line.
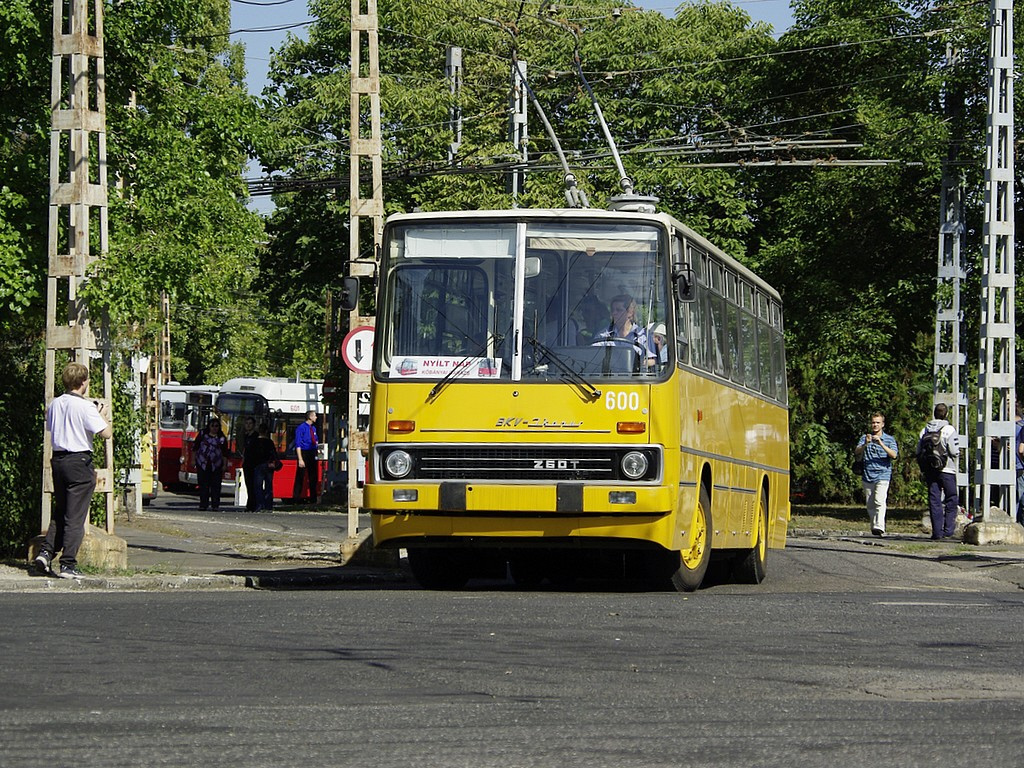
(693,555)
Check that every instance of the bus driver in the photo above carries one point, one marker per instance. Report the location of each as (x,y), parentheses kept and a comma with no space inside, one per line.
(623,329)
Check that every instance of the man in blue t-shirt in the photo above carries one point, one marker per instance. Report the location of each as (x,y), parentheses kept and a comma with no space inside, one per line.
(878,450)
(306,445)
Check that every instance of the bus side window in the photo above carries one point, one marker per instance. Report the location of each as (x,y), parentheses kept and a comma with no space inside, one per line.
(748,337)
(764,353)
(683,332)
(698,329)
(733,342)
(779,367)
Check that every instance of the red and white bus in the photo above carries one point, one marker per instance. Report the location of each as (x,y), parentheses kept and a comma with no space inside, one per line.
(180,407)
(282,404)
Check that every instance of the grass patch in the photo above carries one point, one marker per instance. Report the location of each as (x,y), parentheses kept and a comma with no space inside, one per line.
(840,517)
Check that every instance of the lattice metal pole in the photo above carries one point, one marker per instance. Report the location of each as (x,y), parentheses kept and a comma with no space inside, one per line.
(996,372)
(364,148)
(78,214)
(950,365)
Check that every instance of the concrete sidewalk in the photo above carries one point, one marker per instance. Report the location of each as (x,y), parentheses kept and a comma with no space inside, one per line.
(176,547)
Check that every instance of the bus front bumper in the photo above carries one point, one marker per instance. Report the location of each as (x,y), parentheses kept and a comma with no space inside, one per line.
(406,512)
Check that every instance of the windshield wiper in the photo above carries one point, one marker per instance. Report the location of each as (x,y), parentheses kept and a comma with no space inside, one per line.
(463,364)
(589,391)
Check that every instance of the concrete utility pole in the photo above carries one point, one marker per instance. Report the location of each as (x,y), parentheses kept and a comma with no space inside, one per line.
(453,74)
(365,83)
(518,128)
(996,371)
(78,215)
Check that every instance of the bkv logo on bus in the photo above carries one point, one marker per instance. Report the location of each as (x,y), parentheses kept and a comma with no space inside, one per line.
(537,423)
(556,463)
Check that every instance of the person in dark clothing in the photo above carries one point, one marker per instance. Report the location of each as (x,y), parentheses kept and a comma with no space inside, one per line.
(306,445)
(943,502)
(250,458)
(266,464)
(210,448)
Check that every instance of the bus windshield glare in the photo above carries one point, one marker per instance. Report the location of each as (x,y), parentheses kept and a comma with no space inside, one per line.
(524,301)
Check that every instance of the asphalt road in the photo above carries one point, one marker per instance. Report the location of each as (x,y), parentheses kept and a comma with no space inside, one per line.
(849,655)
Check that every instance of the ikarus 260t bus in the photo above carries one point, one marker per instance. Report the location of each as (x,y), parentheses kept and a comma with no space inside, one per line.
(561,392)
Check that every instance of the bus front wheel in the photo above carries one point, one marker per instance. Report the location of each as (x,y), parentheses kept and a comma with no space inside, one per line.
(750,567)
(438,568)
(693,562)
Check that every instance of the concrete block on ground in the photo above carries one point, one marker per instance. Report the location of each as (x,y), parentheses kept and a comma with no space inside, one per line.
(99,550)
(359,550)
(962,521)
(996,528)
(103,551)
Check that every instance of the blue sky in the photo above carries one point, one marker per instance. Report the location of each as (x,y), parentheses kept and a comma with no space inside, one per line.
(256,14)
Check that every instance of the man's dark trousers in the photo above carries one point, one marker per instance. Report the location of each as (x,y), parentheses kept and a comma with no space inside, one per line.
(74,481)
(943,512)
(310,472)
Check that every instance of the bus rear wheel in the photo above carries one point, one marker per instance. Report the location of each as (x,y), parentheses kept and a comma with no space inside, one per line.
(439,568)
(693,562)
(750,566)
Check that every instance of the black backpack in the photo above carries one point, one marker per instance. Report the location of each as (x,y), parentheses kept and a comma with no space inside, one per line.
(931,452)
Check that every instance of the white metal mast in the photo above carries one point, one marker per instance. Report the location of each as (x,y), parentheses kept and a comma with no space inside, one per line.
(996,371)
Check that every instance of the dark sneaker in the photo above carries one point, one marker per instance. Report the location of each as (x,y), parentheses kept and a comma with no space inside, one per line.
(877,532)
(70,572)
(42,562)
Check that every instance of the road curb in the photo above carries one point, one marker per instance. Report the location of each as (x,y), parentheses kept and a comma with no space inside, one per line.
(169,583)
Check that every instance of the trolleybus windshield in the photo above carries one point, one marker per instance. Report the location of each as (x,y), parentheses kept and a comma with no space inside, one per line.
(540,300)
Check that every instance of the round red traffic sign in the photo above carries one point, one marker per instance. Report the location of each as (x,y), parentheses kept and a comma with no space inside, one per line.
(357,349)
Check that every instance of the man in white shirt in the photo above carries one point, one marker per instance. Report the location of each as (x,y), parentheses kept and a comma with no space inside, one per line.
(72,421)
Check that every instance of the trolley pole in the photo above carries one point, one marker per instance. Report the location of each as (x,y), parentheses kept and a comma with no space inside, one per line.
(996,370)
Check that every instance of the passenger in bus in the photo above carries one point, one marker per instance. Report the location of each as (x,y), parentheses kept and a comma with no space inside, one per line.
(210,447)
(306,445)
(267,463)
(250,458)
(559,331)
(594,314)
(658,343)
(623,329)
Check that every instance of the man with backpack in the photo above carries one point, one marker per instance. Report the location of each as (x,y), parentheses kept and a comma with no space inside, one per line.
(937,451)
(877,450)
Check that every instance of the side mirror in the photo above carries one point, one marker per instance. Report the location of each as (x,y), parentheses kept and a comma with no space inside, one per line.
(349,294)
(682,280)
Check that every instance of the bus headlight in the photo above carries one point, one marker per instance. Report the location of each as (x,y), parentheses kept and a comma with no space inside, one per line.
(634,465)
(398,464)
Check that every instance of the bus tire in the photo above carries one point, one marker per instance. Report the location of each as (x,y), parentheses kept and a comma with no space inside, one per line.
(693,562)
(438,568)
(750,566)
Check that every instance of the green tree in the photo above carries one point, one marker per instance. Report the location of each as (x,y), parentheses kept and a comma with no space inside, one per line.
(180,127)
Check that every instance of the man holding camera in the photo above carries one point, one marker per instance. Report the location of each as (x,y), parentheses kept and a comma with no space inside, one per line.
(877,449)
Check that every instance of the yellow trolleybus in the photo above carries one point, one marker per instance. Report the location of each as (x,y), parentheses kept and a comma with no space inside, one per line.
(559,391)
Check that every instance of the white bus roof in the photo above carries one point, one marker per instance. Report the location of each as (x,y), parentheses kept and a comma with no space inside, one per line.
(277,390)
(175,392)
